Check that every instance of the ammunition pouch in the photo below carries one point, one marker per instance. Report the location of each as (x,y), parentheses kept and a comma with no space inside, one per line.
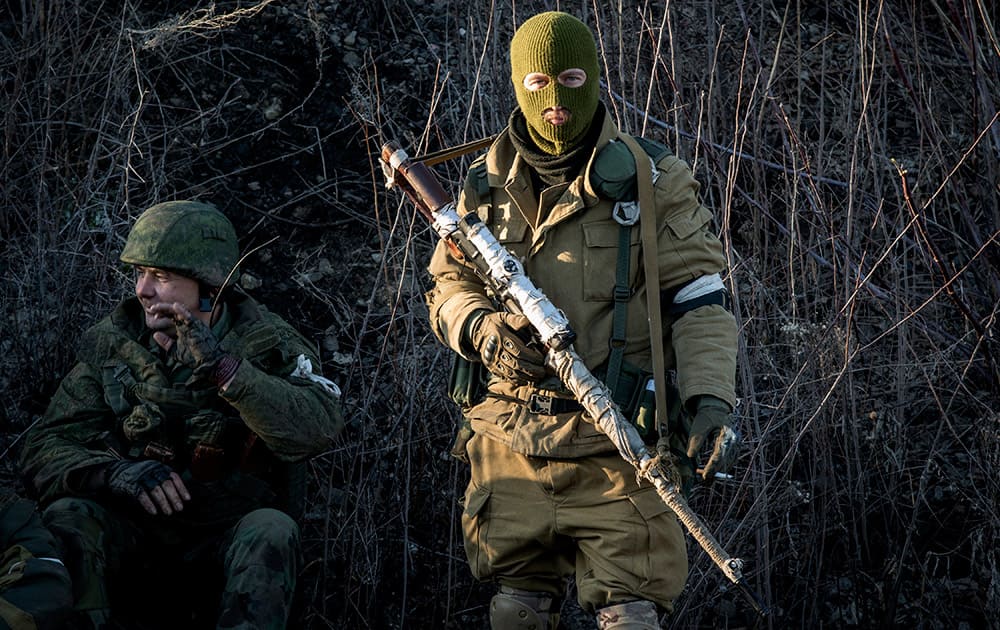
(207,462)
(466,387)
(467,381)
(633,393)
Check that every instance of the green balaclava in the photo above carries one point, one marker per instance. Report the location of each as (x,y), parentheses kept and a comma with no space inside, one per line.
(550,43)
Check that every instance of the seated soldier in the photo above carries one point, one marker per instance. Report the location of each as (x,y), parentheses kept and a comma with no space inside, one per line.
(175,449)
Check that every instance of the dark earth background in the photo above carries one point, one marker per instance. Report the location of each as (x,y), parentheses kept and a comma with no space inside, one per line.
(850,151)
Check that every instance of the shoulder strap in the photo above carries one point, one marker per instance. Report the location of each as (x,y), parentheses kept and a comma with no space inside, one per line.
(117,381)
(647,227)
(479,178)
(621,295)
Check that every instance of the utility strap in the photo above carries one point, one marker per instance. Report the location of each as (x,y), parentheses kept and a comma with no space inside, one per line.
(619,319)
(647,225)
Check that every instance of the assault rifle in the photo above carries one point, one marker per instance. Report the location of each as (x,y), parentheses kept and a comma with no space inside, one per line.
(470,240)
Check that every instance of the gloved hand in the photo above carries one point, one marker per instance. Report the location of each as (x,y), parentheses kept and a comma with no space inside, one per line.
(151,484)
(196,345)
(713,420)
(503,343)
(679,468)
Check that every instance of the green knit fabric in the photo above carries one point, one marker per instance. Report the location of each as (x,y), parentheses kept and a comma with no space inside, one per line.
(550,43)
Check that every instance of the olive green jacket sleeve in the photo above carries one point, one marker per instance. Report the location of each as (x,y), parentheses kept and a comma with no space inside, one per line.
(457,292)
(71,438)
(704,340)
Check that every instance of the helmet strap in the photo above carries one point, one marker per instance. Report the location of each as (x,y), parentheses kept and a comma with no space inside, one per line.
(204,299)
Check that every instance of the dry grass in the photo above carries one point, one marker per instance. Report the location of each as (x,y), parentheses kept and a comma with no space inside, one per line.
(850,153)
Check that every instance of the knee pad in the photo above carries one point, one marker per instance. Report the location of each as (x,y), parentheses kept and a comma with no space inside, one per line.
(637,615)
(515,609)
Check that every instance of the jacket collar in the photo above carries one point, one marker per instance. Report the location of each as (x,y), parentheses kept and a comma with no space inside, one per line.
(506,169)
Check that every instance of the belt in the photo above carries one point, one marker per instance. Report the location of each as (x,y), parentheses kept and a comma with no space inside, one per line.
(550,405)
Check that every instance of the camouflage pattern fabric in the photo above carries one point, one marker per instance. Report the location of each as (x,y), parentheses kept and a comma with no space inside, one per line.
(261,563)
(254,563)
(239,452)
(295,418)
(188,237)
(34,585)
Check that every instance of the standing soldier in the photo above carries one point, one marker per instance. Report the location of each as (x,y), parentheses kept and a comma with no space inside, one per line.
(549,496)
(172,457)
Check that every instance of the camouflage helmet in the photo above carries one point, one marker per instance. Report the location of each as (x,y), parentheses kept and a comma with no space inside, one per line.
(188,237)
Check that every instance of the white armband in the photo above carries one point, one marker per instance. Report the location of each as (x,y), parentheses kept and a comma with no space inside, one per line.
(699,287)
(304,369)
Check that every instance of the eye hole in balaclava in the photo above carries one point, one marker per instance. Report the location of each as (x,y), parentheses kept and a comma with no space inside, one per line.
(551,43)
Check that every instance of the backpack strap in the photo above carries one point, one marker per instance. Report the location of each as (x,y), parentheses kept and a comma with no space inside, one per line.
(626,217)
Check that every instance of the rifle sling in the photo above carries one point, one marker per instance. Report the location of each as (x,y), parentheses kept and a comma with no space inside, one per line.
(647,227)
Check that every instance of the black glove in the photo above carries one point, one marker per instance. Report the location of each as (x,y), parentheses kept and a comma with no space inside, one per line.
(713,420)
(134,479)
(503,341)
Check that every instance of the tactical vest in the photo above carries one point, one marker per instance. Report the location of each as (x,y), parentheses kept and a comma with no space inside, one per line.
(194,430)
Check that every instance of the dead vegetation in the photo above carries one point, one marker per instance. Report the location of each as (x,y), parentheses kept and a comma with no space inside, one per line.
(850,151)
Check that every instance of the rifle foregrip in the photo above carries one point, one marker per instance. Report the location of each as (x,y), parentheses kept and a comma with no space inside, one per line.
(418,176)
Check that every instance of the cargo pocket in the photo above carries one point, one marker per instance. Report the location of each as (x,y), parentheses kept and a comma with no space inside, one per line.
(475,527)
(665,569)
(600,259)
(509,226)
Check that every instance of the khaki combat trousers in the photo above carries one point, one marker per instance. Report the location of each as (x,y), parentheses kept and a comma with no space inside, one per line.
(530,523)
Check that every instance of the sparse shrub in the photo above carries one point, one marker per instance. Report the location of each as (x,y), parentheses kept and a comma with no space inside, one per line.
(850,152)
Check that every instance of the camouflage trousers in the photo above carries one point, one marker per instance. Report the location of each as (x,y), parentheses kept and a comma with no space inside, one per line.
(246,573)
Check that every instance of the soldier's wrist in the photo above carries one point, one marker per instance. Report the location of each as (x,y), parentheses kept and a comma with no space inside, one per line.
(90,480)
(469,328)
(224,370)
(707,401)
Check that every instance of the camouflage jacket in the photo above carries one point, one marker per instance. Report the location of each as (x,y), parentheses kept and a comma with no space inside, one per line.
(126,399)
(568,241)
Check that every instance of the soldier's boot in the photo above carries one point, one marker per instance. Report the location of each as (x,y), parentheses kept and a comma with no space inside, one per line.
(637,615)
(515,609)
